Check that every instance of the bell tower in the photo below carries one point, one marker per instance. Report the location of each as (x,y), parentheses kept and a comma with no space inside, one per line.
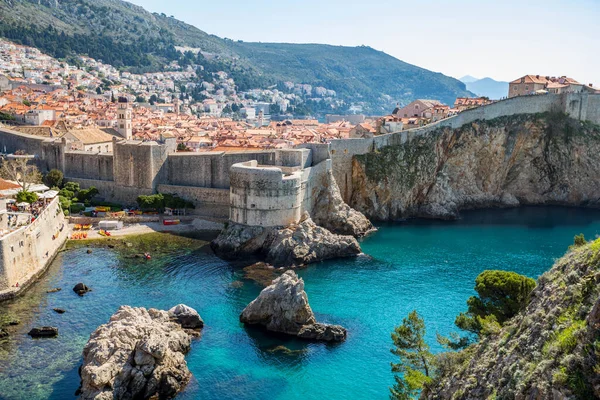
(124,117)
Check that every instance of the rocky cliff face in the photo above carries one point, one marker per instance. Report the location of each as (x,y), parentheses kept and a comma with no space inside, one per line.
(548,351)
(138,354)
(535,159)
(283,307)
(332,213)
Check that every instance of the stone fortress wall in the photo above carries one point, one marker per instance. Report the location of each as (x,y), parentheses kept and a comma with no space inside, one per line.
(28,251)
(211,181)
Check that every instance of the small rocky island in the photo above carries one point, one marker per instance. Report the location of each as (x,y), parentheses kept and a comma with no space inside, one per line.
(139,354)
(283,307)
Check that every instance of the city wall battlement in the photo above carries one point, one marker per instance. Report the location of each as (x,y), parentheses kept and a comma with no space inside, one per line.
(211,181)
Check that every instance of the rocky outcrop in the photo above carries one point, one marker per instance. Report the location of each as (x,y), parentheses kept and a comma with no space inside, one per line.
(138,354)
(81,289)
(283,307)
(548,351)
(523,159)
(186,316)
(44,331)
(295,245)
(332,213)
(306,243)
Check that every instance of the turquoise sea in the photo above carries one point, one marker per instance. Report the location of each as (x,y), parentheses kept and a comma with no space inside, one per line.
(429,266)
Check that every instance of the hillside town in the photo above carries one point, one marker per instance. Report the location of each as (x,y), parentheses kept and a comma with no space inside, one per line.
(43,96)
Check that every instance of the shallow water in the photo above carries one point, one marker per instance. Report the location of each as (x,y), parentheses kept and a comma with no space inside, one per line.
(429,266)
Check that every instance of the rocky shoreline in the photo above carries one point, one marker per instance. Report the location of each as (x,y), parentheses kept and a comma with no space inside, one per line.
(293,246)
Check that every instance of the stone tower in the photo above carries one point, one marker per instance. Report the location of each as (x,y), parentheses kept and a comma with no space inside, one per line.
(124,116)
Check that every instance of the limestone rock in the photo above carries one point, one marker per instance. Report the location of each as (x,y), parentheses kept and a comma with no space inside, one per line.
(3,334)
(44,331)
(331,212)
(318,331)
(307,243)
(237,240)
(296,245)
(81,289)
(283,307)
(523,159)
(186,316)
(139,353)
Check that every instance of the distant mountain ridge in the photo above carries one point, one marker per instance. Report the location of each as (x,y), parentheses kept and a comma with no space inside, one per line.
(487,87)
(129,37)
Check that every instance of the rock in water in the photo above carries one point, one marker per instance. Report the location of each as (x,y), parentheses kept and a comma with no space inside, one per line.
(186,316)
(44,331)
(283,307)
(81,289)
(296,245)
(59,310)
(138,354)
(307,243)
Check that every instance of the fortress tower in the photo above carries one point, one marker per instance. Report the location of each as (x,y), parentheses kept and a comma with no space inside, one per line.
(124,116)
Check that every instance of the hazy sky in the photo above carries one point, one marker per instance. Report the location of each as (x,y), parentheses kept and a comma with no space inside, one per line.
(503,40)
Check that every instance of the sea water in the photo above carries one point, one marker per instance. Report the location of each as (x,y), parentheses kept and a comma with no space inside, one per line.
(428,266)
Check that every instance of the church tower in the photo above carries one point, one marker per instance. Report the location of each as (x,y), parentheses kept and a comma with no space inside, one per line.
(124,117)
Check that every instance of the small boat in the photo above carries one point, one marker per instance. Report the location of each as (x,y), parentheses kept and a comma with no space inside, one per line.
(171,222)
(147,256)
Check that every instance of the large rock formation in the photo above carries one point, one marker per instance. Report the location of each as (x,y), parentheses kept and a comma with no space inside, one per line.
(138,354)
(523,159)
(549,351)
(283,307)
(295,245)
(332,213)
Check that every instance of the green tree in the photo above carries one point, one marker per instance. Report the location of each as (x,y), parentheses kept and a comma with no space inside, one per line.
(72,186)
(27,197)
(578,241)
(87,194)
(501,295)
(54,178)
(151,202)
(416,360)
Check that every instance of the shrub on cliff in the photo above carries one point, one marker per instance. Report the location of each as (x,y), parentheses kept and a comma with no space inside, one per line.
(501,295)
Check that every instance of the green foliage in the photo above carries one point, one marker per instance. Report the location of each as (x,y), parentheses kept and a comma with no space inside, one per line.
(579,240)
(159,201)
(54,178)
(416,360)
(27,197)
(65,203)
(87,194)
(151,202)
(67,194)
(6,117)
(501,295)
(72,186)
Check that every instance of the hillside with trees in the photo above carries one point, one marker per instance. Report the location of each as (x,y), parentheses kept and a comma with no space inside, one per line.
(129,37)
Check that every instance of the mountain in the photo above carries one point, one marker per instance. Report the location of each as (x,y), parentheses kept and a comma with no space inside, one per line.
(488,87)
(129,37)
(468,79)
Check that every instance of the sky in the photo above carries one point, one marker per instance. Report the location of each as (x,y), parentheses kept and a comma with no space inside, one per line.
(503,40)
